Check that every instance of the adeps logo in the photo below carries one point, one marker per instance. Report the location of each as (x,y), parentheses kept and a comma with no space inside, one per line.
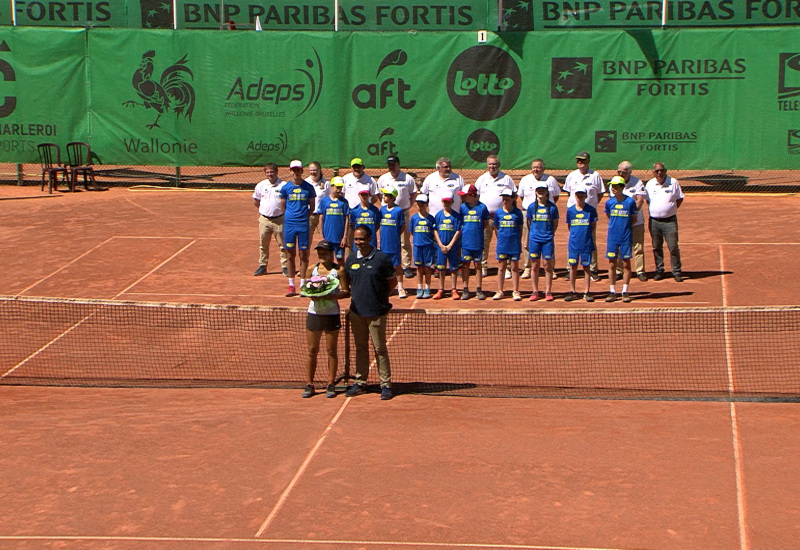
(276,146)
(483,83)
(9,102)
(481,143)
(384,146)
(376,96)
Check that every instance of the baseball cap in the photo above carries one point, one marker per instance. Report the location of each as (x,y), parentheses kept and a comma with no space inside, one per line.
(324,245)
(337,181)
(447,199)
(584,155)
(295,164)
(617,180)
(507,193)
(363,190)
(356,162)
(393,158)
(468,190)
(390,191)
(422,197)
(580,189)
(541,185)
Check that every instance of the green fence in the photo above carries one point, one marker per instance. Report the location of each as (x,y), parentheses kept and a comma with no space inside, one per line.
(718,99)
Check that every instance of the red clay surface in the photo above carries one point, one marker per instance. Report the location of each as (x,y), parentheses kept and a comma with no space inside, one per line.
(105,468)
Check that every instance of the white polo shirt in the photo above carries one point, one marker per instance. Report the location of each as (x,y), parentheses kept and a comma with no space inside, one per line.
(489,189)
(527,189)
(635,188)
(322,187)
(404,184)
(662,200)
(268,194)
(436,188)
(592,181)
(352,186)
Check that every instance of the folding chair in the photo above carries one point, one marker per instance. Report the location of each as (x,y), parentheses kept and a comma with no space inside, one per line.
(80,163)
(50,159)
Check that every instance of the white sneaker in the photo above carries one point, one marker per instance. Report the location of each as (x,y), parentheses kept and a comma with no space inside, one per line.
(508,273)
(485,272)
(526,273)
(401,292)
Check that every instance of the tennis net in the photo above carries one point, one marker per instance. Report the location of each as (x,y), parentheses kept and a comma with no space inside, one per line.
(712,353)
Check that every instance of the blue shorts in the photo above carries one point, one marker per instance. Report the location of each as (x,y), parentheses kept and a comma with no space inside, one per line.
(545,251)
(576,257)
(395,257)
(338,252)
(424,255)
(616,251)
(471,255)
(295,235)
(501,256)
(451,259)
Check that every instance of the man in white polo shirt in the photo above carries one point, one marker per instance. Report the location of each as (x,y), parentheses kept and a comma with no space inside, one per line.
(584,176)
(490,184)
(270,222)
(634,188)
(357,180)
(442,183)
(664,196)
(527,192)
(406,191)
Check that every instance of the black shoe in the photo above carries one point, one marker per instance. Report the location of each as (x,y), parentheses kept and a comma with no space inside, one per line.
(309,391)
(386,393)
(677,277)
(626,297)
(285,272)
(356,389)
(588,297)
(262,270)
(409,273)
(330,391)
(658,276)
(612,297)
(641,276)
(595,275)
(570,297)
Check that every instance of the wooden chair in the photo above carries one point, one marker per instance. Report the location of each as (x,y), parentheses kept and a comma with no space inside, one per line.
(80,163)
(50,159)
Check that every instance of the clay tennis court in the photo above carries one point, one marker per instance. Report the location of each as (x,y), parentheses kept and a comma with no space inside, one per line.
(230,468)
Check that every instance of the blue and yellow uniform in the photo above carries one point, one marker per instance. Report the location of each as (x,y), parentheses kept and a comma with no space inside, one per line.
(422,228)
(509,233)
(392,224)
(580,245)
(295,220)
(543,222)
(334,222)
(369,216)
(621,217)
(446,226)
(473,219)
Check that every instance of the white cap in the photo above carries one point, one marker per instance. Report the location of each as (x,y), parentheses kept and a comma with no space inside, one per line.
(422,197)
(541,185)
(580,189)
(507,192)
(295,164)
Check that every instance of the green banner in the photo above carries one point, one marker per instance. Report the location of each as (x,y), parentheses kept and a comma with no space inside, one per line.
(700,99)
(551,14)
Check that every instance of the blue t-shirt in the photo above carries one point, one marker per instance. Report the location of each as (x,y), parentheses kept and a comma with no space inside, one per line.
(422,229)
(391,229)
(580,227)
(446,226)
(334,222)
(622,215)
(509,230)
(297,202)
(473,219)
(543,220)
(369,216)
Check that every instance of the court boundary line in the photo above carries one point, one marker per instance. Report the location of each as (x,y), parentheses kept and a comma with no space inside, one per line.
(305,541)
(156,268)
(309,457)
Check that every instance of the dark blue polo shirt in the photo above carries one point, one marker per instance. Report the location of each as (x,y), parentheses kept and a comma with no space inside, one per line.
(369,283)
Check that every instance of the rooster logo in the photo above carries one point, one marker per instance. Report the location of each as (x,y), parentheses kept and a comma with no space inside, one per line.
(173,92)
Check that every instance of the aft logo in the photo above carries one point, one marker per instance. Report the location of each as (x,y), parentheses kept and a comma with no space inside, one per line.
(793,142)
(481,143)
(605,141)
(571,78)
(376,96)
(484,83)
(385,146)
(789,82)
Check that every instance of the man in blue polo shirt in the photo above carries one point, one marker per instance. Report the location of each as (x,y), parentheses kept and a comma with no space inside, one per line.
(298,198)
(370,275)
(621,213)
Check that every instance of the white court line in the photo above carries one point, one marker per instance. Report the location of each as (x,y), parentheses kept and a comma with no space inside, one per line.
(179,237)
(65,266)
(79,323)
(772,243)
(307,542)
(300,471)
(744,542)
(156,268)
